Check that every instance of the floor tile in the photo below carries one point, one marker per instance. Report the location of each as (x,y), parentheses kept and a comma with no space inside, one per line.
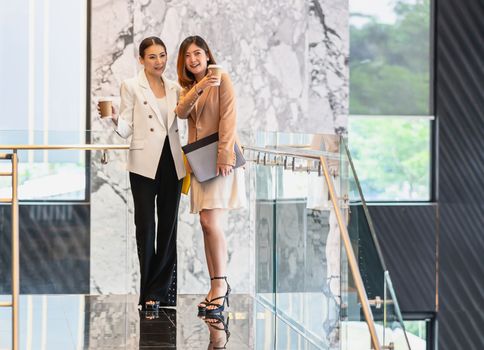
(111,322)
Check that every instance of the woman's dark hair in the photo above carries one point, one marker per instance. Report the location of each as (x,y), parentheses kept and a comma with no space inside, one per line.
(147,42)
(186,78)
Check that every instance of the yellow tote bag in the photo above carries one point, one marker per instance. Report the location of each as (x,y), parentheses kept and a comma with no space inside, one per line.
(186,179)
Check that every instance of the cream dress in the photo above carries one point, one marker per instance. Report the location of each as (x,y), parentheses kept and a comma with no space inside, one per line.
(222,192)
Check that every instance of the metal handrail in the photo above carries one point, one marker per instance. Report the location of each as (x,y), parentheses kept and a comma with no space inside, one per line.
(286,151)
(86,147)
(14,304)
(376,242)
(365,207)
(355,271)
(321,156)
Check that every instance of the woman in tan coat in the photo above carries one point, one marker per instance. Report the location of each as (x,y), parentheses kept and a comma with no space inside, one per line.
(208,102)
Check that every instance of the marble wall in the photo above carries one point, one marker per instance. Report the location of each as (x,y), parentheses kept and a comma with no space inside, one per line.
(288,62)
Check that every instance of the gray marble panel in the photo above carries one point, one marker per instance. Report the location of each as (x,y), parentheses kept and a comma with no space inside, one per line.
(288,62)
(328,38)
(114,266)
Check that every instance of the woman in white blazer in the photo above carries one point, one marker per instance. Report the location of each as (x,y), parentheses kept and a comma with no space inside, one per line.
(156,169)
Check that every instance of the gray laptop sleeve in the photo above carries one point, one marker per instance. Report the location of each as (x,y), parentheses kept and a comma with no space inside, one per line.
(202,157)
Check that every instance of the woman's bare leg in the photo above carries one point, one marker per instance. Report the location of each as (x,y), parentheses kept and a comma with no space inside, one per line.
(216,250)
(209,265)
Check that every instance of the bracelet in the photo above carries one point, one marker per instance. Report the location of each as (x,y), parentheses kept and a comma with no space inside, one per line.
(198,90)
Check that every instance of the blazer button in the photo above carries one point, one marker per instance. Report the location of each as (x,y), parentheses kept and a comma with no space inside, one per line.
(150,116)
(151,129)
(145,102)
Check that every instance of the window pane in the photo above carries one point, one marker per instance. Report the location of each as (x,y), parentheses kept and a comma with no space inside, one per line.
(43,93)
(389,57)
(392,157)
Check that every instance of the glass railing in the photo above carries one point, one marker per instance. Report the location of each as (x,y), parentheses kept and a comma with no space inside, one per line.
(73,205)
(303,269)
(77,234)
(376,277)
(75,228)
(73,209)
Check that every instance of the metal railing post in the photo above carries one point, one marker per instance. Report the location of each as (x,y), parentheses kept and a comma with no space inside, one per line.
(14,301)
(15,253)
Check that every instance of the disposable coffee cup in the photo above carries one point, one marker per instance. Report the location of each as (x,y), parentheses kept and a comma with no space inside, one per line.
(105,107)
(216,71)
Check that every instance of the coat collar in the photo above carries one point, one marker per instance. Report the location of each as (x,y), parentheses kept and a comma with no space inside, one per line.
(171,97)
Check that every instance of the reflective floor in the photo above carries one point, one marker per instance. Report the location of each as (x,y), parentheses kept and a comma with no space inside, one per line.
(66,322)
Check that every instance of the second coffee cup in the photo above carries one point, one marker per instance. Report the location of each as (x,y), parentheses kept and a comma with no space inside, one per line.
(216,71)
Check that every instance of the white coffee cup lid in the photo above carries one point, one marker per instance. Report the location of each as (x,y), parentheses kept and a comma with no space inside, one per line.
(214,66)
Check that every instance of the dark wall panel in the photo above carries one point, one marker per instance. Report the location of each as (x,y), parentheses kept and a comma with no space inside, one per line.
(460,109)
(407,235)
(54,248)
(462,276)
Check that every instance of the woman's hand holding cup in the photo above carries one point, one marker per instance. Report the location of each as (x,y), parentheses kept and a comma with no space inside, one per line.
(211,79)
(106,109)
(215,71)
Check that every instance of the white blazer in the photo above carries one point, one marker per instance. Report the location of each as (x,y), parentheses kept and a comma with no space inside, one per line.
(139,117)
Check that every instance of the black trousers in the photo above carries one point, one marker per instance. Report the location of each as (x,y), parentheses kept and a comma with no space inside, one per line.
(157,245)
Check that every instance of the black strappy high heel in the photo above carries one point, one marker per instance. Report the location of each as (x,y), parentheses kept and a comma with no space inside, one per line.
(219,308)
(201,309)
(219,320)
